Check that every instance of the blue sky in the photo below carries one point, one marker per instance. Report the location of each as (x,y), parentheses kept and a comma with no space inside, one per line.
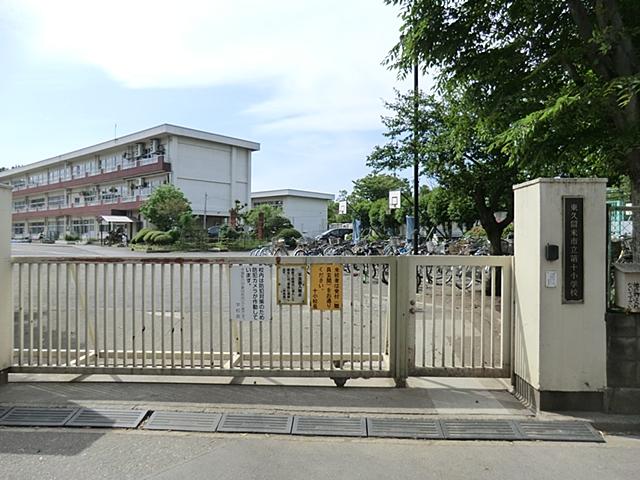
(302,77)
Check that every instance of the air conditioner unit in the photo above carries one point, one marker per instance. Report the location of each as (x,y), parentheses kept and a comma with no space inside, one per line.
(139,149)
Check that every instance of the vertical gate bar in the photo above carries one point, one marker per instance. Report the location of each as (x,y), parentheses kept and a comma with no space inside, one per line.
(311,366)
(482,295)
(370,325)
(124,314)
(96,336)
(290,337)
(211,357)
(143,330)
(423,284)
(191,349)
(231,333)
(433,315)
(220,340)
(506,319)
(105,300)
(115,341)
(352,315)
(260,349)
(163,346)
(444,325)
(321,339)
(68,314)
(473,316)
(241,342)
(76,272)
(182,315)
(153,314)
(201,291)
(331,339)
(49,333)
(21,319)
(271,343)
(86,315)
(380,329)
(493,308)
(251,344)
(39,306)
(134,351)
(58,333)
(453,316)
(280,364)
(300,328)
(462,307)
(172,272)
(361,301)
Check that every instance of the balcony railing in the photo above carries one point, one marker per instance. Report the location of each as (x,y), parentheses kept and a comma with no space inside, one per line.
(121,164)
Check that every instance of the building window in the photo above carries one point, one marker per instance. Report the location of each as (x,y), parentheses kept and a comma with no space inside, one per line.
(36,203)
(18,230)
(36,228)
(84,227)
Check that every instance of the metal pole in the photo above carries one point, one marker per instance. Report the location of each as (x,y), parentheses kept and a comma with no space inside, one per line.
(416,183)
(204,217)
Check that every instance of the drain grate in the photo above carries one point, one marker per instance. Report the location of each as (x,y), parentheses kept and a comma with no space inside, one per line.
(404,428)
(332,426)
(102,417)
(479,430)
(559,431)
(3,410)
(184,421)
(245,423)
(37,416)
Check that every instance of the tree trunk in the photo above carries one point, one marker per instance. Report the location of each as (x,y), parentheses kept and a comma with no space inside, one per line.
(633,165)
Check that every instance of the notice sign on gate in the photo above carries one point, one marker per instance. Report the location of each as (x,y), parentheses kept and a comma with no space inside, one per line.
(250,292)
(292,285)
(326,286)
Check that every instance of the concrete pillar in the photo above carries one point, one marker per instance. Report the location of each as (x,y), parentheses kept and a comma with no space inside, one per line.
(560,337)
(6,297)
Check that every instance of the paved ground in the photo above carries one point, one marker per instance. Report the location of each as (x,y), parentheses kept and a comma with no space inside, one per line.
(107,454)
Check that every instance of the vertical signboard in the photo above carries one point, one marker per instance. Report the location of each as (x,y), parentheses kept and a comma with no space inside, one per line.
(326,286)
(250,292)
(342,207)
(394,199)
(573,251)
(292,285)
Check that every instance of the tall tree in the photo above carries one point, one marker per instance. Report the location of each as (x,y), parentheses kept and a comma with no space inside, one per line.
(166,205)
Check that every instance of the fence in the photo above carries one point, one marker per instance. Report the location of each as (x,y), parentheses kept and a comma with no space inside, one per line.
(400,316)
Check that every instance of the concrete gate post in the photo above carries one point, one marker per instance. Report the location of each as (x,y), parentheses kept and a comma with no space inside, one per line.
(6,290)
(560,263)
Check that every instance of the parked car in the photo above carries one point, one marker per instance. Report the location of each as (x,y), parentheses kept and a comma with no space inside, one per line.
(214,232)
(334,233)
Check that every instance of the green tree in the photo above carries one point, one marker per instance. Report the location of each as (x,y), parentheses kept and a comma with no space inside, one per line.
(165,206)
(274,220)
(557,81)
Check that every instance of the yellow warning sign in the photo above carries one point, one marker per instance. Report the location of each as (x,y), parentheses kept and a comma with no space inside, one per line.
(326,286)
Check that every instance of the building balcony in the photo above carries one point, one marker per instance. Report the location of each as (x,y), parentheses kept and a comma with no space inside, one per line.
(84,208)
(123,169)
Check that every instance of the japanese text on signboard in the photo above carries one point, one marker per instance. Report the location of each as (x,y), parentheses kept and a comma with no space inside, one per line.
(573,259)
(292,285)
(250,292)
(326,286)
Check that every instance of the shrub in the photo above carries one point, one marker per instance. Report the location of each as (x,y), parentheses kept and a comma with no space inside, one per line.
(71,236)
(139,237)
(228,233)
(290,235)
(148,237)
(162,239)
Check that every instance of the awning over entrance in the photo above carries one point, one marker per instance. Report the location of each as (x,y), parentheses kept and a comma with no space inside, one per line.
(115,219)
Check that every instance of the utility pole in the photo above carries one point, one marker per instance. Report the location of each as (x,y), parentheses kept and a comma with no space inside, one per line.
(416,183)
(204,217)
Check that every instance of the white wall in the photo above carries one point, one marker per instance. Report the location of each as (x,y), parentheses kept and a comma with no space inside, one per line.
(220,171)
(6,299)
(308,215)
(559,347)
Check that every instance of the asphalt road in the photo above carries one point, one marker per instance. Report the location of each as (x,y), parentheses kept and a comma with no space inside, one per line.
(107,454)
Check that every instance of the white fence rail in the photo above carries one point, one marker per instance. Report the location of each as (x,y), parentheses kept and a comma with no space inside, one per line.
(400,316)
(171,316)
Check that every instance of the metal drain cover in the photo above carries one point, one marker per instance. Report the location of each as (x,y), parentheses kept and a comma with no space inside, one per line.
(333,426)
(559,431)
(404,428)
(245,423)
(3,410)
(480,430)
(37,416)
(102,417)
(184,421)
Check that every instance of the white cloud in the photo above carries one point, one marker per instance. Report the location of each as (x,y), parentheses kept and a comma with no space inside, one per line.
(321,58)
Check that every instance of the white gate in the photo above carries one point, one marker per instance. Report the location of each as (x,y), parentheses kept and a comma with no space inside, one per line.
(457,313)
